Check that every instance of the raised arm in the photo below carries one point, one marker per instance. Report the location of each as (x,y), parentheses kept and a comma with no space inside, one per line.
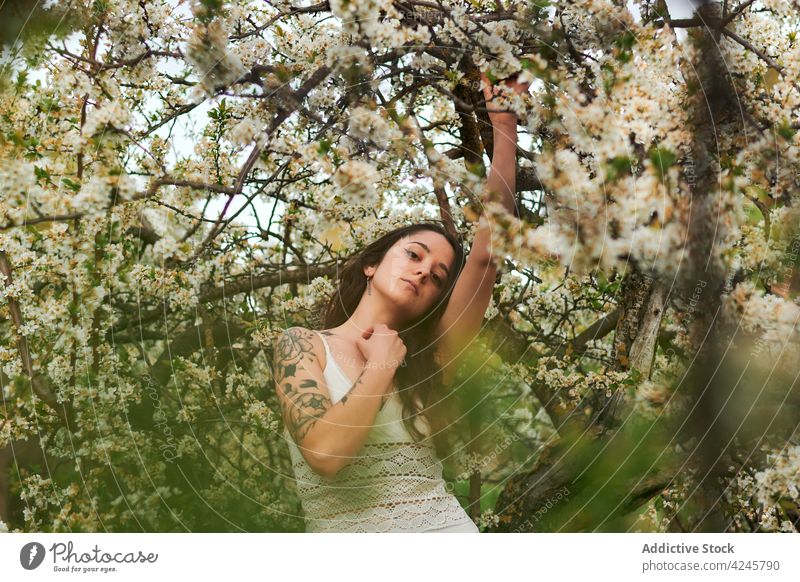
(463,317)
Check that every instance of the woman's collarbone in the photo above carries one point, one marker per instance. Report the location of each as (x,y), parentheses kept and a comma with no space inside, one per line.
(353,364)
(350,360)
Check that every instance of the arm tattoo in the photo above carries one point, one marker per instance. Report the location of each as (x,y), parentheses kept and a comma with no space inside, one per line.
(356,383)
(303,403)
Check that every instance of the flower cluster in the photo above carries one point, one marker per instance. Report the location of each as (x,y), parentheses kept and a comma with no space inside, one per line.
(207,51)
(357,181)
(779,480)
(379,22)
(571,386)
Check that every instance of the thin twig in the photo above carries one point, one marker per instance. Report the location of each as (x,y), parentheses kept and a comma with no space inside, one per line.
(748,45)
(732,16)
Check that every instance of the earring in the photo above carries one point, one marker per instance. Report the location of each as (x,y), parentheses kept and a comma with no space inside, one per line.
(369,285)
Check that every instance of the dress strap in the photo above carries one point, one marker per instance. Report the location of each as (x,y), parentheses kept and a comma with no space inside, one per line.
(327,349)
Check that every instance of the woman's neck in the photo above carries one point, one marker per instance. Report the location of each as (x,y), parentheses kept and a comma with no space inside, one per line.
(368,313)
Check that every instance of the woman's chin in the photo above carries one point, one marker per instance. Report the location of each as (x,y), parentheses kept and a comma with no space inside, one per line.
(409,302)
(404,293)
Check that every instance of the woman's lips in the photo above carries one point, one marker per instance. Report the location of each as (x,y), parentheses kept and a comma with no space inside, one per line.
(416,291)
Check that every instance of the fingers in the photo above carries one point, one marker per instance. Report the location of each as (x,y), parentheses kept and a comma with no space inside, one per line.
(512,81)
(377,329)
(488,88)
(381,327)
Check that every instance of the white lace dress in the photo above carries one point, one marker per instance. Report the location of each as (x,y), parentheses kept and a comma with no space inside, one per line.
(393,485)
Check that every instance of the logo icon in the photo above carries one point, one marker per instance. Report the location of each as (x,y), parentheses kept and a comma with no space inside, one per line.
(31,555)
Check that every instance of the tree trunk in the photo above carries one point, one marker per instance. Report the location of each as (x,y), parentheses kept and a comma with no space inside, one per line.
(635,340)
(714,114)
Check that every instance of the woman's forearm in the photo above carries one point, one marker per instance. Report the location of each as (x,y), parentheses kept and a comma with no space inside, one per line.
(340,433)
(503,173)
(502,179)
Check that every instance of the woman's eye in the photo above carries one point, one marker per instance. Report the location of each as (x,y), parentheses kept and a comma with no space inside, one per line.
(436,277)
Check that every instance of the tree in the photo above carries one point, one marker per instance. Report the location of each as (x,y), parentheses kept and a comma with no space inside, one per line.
(179,186)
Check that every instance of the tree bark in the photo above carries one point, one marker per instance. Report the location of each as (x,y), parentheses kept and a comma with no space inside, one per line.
(714,114)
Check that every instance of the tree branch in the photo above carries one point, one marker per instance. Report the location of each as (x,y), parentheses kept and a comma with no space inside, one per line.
(38,387)
(283,113)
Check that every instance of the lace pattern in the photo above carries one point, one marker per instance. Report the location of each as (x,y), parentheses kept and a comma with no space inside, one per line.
(394,486)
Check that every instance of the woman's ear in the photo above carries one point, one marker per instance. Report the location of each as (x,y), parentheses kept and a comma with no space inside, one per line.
(369,271)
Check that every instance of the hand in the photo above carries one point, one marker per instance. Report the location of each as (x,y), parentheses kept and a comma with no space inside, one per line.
(497,113)
(381,347)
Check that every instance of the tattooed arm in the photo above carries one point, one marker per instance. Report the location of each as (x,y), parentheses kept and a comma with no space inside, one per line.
(329,435)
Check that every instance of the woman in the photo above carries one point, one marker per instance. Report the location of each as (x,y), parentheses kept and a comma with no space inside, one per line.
(362,400)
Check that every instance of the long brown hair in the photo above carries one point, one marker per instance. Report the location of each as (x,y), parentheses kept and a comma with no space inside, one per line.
(419,381)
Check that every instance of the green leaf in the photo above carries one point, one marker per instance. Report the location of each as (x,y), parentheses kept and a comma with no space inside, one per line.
(786,131)
(617,167)
(22,79)
(283,73)
(627,40)
(538,8)
(41,173)
(662,159)
(74,186)
(624,45)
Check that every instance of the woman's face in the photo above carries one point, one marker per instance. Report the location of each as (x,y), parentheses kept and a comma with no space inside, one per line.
(415,271)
